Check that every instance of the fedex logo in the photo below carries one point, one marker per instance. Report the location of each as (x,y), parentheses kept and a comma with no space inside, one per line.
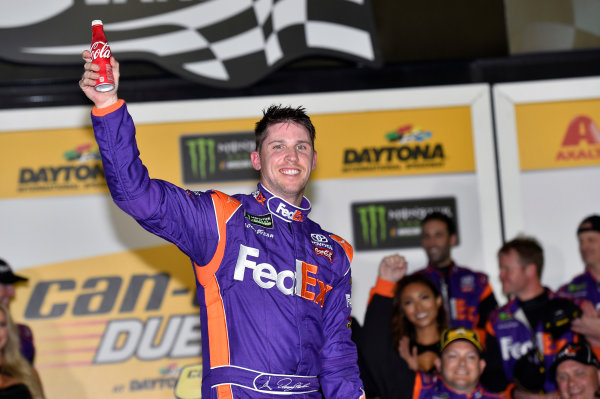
(510,349)
(287,281)
(287,214)
(460,309)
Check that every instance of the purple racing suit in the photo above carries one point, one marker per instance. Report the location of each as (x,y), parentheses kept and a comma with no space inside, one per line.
(273,287)
(509,331)
(467,294)
(583,287)
(428,386)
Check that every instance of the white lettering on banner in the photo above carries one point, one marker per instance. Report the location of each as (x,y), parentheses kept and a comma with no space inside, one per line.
(122,339)
(515,350)
(265,276)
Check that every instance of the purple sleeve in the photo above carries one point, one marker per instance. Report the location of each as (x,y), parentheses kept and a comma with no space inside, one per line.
(340,376)
(179,216)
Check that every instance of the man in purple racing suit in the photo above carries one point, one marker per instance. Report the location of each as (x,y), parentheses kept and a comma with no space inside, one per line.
(273,287)
(460,365)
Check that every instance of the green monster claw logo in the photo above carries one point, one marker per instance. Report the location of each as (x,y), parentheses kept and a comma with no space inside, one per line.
(202,156)
(505,316)
(373,224)
(576,287)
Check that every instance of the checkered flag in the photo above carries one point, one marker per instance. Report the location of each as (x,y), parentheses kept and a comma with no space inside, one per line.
(234,43)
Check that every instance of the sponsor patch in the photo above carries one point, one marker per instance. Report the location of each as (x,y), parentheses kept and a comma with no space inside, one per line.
(259,231)
(576,287)
(261,220)
(324,252)
(318,238)
(467,284)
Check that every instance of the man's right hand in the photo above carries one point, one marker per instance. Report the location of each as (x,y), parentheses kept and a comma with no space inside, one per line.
(88,80)
(393,268)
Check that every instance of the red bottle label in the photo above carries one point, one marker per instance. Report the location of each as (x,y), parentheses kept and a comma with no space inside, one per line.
(101,56)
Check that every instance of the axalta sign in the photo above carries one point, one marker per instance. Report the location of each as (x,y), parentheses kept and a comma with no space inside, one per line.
(558,135)
(287,281)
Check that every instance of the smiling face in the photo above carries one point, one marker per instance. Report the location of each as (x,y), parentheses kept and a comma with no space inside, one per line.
(461,366)
(437,242)
(576,380)
(419,305)
(285,161)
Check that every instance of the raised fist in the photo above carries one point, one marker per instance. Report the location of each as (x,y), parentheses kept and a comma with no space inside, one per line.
(393,268)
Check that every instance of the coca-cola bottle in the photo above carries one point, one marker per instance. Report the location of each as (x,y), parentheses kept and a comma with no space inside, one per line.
(101,56)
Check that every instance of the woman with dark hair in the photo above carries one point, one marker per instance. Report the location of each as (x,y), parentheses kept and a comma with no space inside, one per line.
(417,322)
(401,331)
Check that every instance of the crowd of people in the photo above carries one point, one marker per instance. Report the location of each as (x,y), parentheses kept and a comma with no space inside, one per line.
(539,344)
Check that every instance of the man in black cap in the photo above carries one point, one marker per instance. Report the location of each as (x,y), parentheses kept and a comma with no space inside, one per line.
(584,289)
(7,293)
(586,286)
(577,372)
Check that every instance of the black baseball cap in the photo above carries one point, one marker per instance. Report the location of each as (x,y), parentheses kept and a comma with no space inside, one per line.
(590,223)
(6,274)
(580,352)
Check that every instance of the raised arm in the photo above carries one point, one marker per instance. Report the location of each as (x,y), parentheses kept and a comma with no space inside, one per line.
(181,217)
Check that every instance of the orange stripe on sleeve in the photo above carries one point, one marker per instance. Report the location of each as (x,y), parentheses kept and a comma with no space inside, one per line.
(225,206)
(346,245)
(489,329)
(384,288)
(417,387)
(481,335)
(107,110)
(596,350)
(486,292)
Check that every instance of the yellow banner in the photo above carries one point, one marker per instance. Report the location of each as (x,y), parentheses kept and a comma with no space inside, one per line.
(115,326)
(49,163)
(394,143)
(561,134)
(349,145)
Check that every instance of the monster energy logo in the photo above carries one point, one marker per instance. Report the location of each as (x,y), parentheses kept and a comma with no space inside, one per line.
(373,223)
(261,220)
(202,156)
(576,287)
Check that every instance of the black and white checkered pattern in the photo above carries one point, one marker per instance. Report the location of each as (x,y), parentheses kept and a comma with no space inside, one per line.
(555,25)
(234,43)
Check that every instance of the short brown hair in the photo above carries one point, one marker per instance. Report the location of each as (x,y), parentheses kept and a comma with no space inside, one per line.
(529,251)
(278,114)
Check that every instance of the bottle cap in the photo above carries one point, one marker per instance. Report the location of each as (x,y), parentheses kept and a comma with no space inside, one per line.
(96,22)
